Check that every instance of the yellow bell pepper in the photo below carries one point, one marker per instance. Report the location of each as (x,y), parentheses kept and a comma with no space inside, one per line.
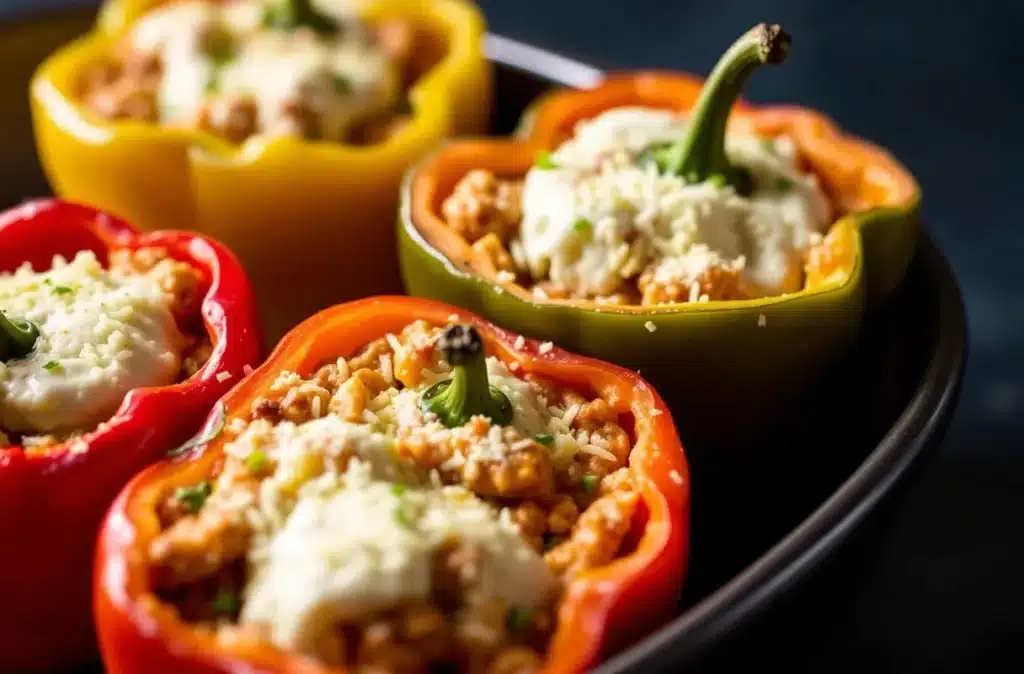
(311,221)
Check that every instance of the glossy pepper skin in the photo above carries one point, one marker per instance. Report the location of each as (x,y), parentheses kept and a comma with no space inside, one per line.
(714,358)
(315,216)
(602,609)
(53,501)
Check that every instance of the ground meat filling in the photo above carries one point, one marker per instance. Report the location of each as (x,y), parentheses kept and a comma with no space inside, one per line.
(486,210)
(128,86)
(556,473)
(183,286)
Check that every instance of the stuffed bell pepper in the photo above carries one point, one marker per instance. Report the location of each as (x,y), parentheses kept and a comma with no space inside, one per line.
(114,346)
(404,488)
(658,222)
(281,127)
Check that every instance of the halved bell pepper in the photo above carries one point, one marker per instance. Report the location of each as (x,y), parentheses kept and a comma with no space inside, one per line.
(53,500)
(310,221)
(732,358)
(601,610)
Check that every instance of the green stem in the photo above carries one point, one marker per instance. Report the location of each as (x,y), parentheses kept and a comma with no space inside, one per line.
(17,337)
(292,14)
(700,154)
(468,392)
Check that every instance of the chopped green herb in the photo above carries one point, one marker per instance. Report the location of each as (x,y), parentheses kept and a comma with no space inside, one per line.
(61,290)
(225,603)
(518,619)
(544,161)
(768,144)
(213,83)
(583,226)
(256,460)
(215,430)
(51,365)
(718,180)
(590,483)
(783,184)
(545,439)
(342,85)
(400,516)
(195,496)
(397,489)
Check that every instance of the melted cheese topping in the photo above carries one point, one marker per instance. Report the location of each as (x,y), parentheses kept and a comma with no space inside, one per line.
(602,215)
(345,526)
(344,78)
(367,546)
(100,337)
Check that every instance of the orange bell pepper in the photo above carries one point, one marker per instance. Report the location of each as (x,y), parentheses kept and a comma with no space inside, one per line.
(602,609)
(737,358)
(292,210)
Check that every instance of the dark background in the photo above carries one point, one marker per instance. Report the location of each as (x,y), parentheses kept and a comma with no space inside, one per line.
(933,82)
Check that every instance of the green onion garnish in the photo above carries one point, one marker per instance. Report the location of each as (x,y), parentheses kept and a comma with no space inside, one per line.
(256,460)
(544,161)
(194,497)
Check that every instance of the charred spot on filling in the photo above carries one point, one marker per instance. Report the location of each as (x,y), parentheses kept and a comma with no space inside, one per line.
(492,518)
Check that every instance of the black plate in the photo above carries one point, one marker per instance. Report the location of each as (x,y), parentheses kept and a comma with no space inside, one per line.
(762,527)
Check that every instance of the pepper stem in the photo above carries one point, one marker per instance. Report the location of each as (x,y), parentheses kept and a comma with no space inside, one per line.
(700,154)
(292,14)
(17,337)
(468,392)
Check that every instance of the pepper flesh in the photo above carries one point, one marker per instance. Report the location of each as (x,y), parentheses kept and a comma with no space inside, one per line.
(290,209)
(601,609)
(742,361)
(53,501)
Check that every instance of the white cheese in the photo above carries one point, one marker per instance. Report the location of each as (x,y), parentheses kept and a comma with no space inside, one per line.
(529,410)
(368,547)
(100,337)
(344,78)
(302,453)
(601,216)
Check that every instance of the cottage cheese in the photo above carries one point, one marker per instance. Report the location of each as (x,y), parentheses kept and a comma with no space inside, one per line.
(345,77)
(100,337)
(368,546)
(602,216)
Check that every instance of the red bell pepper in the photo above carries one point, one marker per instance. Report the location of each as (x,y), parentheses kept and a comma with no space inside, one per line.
(52,501)
(601,609)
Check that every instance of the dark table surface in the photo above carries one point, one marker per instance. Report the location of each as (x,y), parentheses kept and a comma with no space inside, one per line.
(932,81)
